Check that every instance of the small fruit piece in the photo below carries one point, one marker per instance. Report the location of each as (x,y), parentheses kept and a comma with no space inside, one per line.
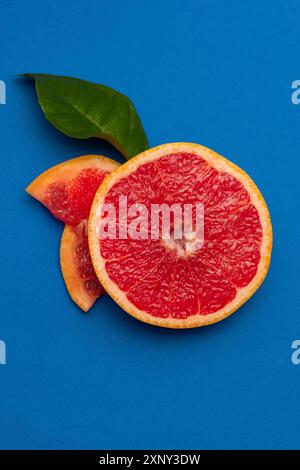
(67,190)
(165,284)
(77,269)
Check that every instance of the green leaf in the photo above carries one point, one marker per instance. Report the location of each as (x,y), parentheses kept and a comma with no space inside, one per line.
(83,109)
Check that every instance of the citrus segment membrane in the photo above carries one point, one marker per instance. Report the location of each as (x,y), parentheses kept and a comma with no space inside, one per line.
(156,281)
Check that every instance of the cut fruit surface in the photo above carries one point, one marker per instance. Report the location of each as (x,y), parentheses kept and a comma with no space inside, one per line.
(77,268)
(68,190)
(166,284)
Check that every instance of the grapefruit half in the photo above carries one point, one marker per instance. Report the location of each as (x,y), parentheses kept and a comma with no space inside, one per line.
(68,190)
(165,284)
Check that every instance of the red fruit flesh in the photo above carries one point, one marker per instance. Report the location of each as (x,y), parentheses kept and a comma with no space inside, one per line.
(155,278)
(84,265)
(68,190)
(71,201)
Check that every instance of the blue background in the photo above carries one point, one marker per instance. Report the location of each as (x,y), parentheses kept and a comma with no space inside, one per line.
(214,72)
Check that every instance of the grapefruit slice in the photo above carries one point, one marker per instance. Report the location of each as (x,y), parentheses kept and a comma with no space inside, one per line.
(166,284)
(77,268)
(67,190)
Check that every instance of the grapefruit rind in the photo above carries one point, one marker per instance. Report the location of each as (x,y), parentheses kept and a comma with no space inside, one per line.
(65,171)
(221,164)
(73,282)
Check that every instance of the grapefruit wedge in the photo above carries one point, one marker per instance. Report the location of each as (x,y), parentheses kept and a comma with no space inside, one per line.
(67,190)
(164,282)
(77,268)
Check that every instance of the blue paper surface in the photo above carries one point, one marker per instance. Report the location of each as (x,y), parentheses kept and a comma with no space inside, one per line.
(214,72)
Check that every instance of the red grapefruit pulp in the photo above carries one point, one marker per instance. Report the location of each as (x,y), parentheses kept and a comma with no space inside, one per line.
(68,190)
(77,268)
(163,283)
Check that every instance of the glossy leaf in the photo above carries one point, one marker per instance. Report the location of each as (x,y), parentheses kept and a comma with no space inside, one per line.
(83,109)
